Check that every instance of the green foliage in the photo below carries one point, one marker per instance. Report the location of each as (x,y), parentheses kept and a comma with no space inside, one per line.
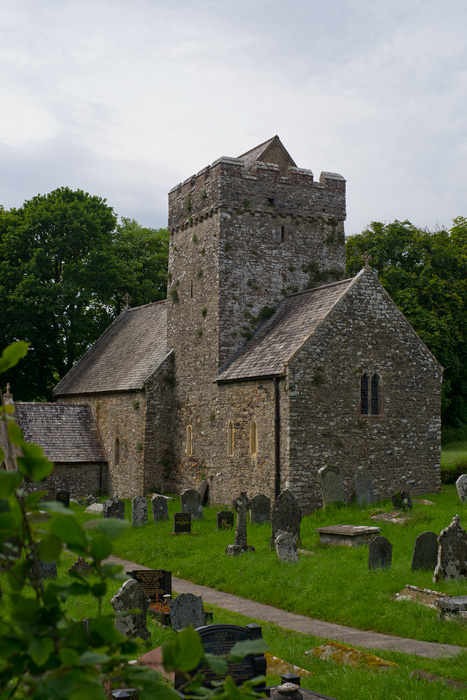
(425,273)
(65,265)
(317,277)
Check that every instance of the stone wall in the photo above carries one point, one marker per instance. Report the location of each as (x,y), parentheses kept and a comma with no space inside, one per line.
(80,479)
(401,445)
(120,415)
(158,440)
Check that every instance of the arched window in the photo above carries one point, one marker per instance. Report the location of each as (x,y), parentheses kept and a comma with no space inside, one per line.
(364,395)
(253,439)
(117,451)
(375,395)
(189,440)
(230,439)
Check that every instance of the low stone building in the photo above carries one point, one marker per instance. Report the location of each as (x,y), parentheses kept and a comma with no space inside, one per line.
(264,364)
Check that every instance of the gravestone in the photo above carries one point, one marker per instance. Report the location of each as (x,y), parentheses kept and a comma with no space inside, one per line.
(286,547)
(139,511)
(182,523)
(401,501)
(364,486)
(241,505)
(160,508)
(461,486)
(452,608)
(347,535)
(114,508)
(131,595)
(43,569)
(260,510)
(452,552)
(203,491)
(286,516)
(380,553)
(219,639)
(90,500)
(156,583)
(225,519)
(63,497)
(332,484)
(191,503)
(81,566)
(185,610)
(95,508)
(425,551)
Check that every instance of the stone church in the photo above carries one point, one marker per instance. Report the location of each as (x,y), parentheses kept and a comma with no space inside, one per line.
(264,364)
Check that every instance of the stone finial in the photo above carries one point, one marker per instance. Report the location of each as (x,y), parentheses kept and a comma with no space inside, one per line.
(126,298)
(366,257)
(8,396)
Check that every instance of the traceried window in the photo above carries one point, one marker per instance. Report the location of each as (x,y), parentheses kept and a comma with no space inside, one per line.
(117,451)
(370,401)
(230,439)
(253,439)
(189,441)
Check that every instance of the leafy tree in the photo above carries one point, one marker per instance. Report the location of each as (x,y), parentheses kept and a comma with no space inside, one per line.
(44,653)
(64,267)
(425,273)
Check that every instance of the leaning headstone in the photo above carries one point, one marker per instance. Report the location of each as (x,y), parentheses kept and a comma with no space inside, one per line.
(401,500)
(425,551)
(182,523)
(286,547)
(191,503)
(286,516)
(364,486)
(139,511)
(260,511)
(128,597)
(203,490)
(241,505)
(185,610)
(114,508)
(332,484)
(160,508)
(380,553)
(63,497)
(219,639)
(452,552)
(225,519)
(461,486)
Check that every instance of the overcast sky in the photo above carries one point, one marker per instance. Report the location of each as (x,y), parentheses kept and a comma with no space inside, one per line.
(126,98)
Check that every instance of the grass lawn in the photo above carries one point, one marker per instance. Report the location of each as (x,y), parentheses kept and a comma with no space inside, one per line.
(452,452)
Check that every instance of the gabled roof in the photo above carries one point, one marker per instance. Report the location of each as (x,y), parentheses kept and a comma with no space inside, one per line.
(66,433)
(271,151)
(125,355)
(282,335)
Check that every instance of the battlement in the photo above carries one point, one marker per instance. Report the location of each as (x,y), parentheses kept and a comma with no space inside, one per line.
(229,183)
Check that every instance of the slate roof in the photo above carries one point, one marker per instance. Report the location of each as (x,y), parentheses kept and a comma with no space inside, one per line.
(125,355)
(276,340)
(257,153)
(66,433)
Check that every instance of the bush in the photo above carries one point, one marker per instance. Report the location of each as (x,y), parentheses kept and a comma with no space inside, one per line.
(450,474)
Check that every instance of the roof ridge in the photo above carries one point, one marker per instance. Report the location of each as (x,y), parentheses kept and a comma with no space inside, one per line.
(255,148)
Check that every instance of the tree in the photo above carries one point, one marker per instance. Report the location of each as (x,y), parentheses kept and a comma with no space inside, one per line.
(425,273)
(64,267)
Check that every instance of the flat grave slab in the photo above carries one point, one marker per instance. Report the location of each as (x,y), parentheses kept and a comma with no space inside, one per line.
(453,608)
(425,596)
(347,535)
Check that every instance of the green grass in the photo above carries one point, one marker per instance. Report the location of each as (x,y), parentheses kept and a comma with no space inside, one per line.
(452,452)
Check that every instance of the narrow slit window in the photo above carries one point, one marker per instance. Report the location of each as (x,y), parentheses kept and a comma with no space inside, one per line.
(191,289)
(189,440)
(375,395)
(253,439)
(230,439)
(364,395)
(117,451)
(282,233)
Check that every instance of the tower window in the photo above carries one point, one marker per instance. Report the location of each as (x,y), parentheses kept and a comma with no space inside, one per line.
(282,233)
(375,395)
(253,440)
(117,451)
(230,439)
(189,441)
(271,201)
(364,395)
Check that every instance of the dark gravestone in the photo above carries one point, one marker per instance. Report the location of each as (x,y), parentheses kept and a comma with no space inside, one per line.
(241,505)
(63,497)
(380,553)
(139,511)
(425,551)
(286,516)
(43,569)
(332,484)
(182,523)
(160,508)
(81,566)
(191,503)
(156,583)
(203,491)
(260,510)
(225,519)
(364,486)
(452,552)
(129,597)
(114,508)
(401,501)
(219,639)
(185,610)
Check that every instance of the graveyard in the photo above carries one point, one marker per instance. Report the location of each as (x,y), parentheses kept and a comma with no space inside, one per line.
(333,582)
